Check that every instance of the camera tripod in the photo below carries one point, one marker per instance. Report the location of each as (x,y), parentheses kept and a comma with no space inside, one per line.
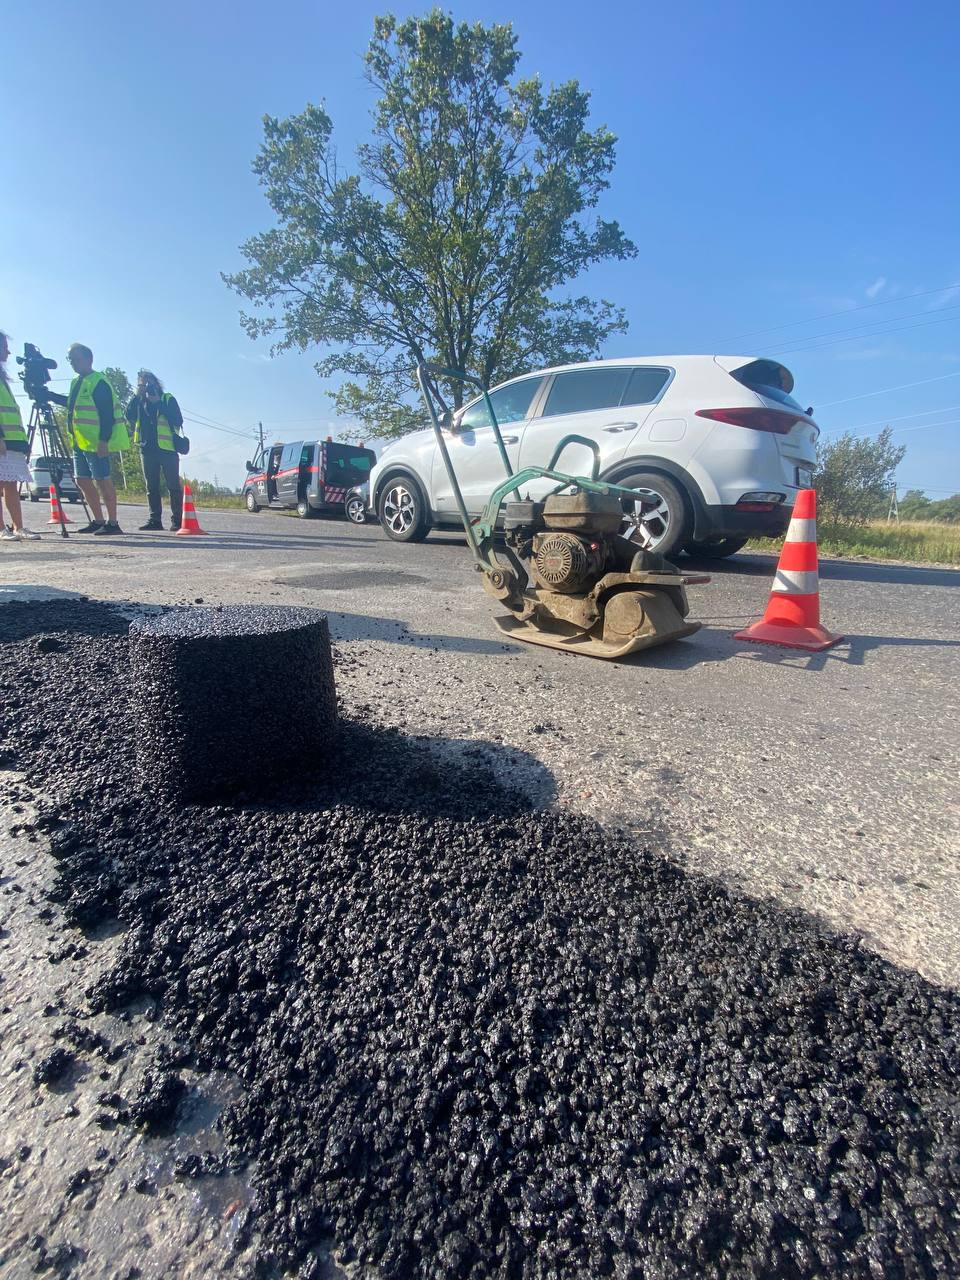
(55,452)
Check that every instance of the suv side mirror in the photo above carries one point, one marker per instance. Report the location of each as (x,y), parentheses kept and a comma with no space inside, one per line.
(446,420)
(249,466)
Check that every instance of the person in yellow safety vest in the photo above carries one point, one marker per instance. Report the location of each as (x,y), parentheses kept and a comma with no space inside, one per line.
(157,421)
(98,428)
(13,456)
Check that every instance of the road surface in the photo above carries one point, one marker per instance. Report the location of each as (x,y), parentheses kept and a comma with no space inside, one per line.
(826,781)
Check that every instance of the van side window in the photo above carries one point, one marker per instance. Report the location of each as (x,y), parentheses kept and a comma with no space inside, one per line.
(306,455)
(291,455)
(510,404)
(584,389)
(645,385)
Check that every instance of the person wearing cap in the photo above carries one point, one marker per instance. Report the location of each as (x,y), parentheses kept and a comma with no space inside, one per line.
(96,424)
(157,422)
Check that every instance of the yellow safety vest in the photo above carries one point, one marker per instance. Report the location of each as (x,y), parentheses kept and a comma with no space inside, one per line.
(11,423)
(164,429)
(84,424)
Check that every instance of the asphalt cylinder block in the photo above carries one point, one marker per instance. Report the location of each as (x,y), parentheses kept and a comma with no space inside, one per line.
(223,699)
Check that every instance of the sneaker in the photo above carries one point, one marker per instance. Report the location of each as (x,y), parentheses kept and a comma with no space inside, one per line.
(26,535)
(93,527)
(175,527)
(151,526)
(8,535)
(110,527)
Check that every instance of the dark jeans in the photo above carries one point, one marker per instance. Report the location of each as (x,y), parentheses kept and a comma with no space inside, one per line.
(155,461)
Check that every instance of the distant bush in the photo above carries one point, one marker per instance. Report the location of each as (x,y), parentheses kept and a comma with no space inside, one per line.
(855,476)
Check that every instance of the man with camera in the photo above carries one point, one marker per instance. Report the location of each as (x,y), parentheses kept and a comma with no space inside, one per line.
(157,421)
(97,426)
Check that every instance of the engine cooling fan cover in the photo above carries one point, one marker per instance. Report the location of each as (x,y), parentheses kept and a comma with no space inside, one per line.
(562,562)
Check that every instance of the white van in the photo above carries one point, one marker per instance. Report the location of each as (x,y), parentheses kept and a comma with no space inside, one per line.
(40,481)
(717,445)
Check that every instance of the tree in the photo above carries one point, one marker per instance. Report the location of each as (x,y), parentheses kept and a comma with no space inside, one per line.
(915,505)
(466,216)
(125,465)
(855,475)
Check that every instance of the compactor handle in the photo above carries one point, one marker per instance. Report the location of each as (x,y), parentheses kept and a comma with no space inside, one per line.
(589,444)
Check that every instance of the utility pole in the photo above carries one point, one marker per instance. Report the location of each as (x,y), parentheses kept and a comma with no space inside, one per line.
(260,430)
(893,512)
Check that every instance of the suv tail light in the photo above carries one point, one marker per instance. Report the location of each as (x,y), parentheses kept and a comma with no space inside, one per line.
(774,420)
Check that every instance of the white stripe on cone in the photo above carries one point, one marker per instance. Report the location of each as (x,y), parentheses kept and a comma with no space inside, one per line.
(795,582)
(801,530)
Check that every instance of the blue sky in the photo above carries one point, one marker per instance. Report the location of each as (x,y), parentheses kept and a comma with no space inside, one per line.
(778,166)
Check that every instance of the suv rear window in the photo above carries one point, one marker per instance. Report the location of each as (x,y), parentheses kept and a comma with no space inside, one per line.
(767,378)
(645,385)
(584,389)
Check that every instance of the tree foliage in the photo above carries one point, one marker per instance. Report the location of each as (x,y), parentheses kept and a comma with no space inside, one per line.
(915,505)
(855,476)
(125,466)
(469,209)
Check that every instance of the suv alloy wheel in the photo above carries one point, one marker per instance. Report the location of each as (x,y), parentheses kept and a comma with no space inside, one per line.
(402,511)
(662,512)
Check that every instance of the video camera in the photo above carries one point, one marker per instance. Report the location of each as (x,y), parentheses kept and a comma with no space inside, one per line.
(35,373)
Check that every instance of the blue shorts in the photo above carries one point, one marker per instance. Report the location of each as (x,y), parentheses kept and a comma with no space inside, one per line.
(90,466)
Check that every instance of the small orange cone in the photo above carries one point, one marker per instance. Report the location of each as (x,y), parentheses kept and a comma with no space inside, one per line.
(792,617)
(190,525)
(57,515)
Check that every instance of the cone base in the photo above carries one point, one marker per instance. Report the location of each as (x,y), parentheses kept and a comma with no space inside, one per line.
(184,532)
(63,521)
(814,639)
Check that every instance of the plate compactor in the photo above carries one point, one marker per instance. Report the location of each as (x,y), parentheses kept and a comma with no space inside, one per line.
(577,576)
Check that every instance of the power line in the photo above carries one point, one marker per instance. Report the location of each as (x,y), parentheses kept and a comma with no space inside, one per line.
(884,422)
(832,315)
(899,431)
(830,404)
(204,418)
(212,426)
(858,337)
(869,324)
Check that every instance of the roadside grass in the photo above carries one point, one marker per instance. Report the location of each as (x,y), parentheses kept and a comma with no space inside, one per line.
(918,541)
(225,502)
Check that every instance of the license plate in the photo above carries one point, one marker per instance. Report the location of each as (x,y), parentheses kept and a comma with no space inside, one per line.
(804,478)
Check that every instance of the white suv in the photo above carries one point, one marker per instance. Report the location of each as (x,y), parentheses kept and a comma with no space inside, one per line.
(716,443)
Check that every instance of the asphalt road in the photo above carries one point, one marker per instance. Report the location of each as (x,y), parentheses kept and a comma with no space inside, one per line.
(826,781)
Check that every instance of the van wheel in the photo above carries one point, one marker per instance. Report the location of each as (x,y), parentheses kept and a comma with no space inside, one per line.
(661,512)
(34,497)
(253,506)
(355,509)
(304,509)
(403,512)
(716,550)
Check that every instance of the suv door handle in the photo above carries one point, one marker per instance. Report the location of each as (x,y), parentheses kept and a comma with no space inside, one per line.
(620,426)
(510,439)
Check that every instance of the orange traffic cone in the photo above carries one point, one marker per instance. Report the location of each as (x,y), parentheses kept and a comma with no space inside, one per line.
(190,524)
(57,515)
(792,617)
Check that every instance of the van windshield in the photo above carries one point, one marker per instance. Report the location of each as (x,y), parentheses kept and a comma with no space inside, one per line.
(347,465)
(767,378)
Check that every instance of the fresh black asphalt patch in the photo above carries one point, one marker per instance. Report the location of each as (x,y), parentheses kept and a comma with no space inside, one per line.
(475,1040)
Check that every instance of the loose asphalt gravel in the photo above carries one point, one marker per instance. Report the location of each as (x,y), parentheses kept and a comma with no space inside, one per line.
(475,1039)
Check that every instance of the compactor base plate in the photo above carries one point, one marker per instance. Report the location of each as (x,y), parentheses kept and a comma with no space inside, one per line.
(567,640)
